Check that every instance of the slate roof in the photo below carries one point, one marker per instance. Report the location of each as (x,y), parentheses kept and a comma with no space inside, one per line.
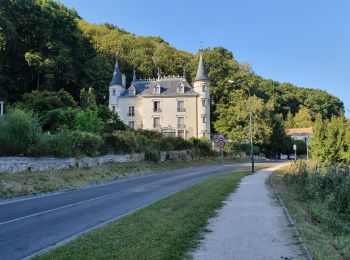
(117,77)
(168,87)
(201,71)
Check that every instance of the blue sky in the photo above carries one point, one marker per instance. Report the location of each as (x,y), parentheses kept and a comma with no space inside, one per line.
(304,42)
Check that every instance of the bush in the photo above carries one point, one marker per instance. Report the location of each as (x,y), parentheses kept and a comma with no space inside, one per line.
(88,121)
(174,144)
(48,144)
(121,142)
(152,154)
(73,119)
(201,146)
(19,130)
(85,143)
(326,183)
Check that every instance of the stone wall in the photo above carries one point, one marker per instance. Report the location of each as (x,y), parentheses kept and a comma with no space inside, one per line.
(35,164)
(21,164)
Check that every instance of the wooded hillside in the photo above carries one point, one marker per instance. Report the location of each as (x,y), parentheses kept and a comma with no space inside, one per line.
(47,46)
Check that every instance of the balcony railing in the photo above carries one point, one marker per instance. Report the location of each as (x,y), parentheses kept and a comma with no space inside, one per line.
(181,109)
(131,114)
(158,110)
(181,126)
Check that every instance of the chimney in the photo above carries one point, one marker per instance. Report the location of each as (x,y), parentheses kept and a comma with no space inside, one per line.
(124,80)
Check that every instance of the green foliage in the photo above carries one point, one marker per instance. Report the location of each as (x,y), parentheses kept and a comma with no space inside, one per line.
(174,144)
(19,130)
(121,142)
(303,118)
(152,154)
(201,146)
(66,144)
(330,141)
(40,43)
(42,102)
(58,145)
(87,98)
(88,121)
(85,143)
(328,185)
(110,119)
(233,118)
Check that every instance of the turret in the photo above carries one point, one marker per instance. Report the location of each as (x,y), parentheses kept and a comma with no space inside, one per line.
(116,87)
(202,87)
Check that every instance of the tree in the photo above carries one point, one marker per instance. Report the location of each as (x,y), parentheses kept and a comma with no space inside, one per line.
(87,98)
(43,101)
(330,141)
(233,118)
(302,118)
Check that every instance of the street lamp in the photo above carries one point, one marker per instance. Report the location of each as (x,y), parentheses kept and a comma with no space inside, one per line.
(250,126)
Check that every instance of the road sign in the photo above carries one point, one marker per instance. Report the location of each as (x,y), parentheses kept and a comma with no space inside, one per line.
(294,147)
(221,143)
(219,137)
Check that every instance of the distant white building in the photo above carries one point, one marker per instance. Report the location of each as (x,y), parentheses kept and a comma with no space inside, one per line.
(300,133)
(168,104)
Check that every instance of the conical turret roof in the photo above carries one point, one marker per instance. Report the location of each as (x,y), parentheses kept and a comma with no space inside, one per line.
(201,71)
(117,77)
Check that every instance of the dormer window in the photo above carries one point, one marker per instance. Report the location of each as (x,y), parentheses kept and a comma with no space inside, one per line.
(156,89)
(132,91)
(181,89)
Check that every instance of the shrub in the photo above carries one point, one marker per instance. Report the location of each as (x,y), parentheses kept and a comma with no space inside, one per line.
(175,144)
(201,146)
(121,142)
(85,143)
(48,144)
(88,121)
(328,184)
(152,154)
(19,130)
(73,119)
(60,119)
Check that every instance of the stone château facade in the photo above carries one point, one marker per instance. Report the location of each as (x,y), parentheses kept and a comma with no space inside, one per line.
(168,104)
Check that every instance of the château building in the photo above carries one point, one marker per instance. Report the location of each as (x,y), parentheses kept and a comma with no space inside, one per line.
(168,104)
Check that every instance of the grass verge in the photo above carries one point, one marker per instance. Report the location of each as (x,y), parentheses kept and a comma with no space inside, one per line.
(26,183)
(166,229)
(321,243)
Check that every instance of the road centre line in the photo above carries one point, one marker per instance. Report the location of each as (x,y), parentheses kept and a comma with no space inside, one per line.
(93,199)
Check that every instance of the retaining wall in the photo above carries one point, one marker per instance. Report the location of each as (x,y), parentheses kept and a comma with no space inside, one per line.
(35,164)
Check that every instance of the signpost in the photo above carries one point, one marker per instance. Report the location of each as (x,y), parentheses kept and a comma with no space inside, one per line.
(220,142)
(295,152)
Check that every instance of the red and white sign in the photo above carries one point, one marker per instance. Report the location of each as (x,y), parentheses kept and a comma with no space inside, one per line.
(220,141)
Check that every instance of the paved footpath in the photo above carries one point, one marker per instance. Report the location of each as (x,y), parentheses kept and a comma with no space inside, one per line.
(251,225)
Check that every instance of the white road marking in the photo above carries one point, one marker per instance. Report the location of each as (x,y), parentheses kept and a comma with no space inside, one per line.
(92,199)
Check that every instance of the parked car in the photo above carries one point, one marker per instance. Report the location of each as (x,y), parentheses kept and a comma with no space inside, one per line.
(292,157)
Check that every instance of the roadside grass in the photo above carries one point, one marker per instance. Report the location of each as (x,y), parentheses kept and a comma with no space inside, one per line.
(322,243)
(166,229)
(29,183)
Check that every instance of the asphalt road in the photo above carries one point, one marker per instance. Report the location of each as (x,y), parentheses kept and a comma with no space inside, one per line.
(33,224)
